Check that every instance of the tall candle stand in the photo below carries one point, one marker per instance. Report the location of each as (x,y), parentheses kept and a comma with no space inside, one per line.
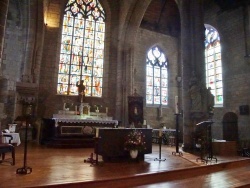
(25,169)
(177,135)
(160,143)
(91,159)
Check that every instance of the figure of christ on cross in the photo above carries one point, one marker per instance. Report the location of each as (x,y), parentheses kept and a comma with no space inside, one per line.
(81,89)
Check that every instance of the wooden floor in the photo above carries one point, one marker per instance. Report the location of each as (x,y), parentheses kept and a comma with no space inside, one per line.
(66,168)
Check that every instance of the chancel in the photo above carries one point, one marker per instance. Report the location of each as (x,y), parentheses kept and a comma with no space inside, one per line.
(93,75)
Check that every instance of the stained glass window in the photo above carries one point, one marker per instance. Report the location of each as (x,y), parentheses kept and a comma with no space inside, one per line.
(213,63)
(82,48)
(156,77)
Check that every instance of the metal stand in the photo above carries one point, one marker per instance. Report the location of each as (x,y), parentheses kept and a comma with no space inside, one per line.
(160,142)
(208,126)
(201,156)
(210,151)
(177,136)
(25,169)
(91,159)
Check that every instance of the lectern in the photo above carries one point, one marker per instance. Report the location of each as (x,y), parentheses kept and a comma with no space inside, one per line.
(205,130)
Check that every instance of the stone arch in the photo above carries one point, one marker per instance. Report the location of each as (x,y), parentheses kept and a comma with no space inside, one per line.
(230,126)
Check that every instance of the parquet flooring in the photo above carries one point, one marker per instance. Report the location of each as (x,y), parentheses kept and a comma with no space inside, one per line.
(66,168)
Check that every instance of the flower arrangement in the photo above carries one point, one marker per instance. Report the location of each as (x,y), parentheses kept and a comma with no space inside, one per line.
(135,141)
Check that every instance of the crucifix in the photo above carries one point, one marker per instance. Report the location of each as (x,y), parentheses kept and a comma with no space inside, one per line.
(81,89)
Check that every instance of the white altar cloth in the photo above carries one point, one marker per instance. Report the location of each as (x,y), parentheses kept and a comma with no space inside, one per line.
(82,119)
(16,138)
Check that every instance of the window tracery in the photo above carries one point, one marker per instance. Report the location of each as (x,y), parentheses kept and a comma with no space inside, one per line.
(213,63)
(156,77)
(82,48)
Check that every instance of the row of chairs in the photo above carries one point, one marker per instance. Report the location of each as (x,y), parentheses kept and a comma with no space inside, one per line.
(7,148)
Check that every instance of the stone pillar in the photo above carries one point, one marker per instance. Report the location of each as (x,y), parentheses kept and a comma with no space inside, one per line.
(3,17)
(192,61)
(246,17)
(29,39)
(4,4)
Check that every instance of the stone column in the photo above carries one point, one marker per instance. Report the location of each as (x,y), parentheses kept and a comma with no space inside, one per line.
(3,17)
(4,4)
(29,39)
(192,61)
(246,17)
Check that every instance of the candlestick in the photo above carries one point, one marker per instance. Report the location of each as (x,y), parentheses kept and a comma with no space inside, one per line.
(176,105)
(97,133)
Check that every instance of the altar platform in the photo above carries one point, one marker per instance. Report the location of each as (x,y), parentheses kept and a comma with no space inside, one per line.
(64,168)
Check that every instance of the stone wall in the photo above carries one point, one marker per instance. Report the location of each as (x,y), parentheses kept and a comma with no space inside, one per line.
(236,78)
(145,40)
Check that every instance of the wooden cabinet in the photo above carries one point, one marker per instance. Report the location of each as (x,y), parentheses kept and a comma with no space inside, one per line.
(135,109)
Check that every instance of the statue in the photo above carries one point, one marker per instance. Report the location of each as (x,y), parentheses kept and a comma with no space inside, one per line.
(195,94)
(210,100)
(81,89)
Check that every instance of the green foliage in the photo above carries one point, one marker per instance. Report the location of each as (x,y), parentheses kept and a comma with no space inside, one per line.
(135,140)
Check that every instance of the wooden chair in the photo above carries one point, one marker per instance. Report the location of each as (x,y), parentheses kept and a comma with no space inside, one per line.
(7,148)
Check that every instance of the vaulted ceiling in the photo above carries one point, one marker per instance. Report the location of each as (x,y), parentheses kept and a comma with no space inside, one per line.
(163,16)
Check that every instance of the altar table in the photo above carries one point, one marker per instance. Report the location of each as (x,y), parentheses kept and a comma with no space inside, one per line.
(16,138)
(83,119)
(80,125)
(111,143)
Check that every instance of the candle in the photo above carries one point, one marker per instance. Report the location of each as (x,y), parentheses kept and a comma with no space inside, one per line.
(107,109)
(145,122)
(97,133)
(176,105)
(64,106)
(160,133)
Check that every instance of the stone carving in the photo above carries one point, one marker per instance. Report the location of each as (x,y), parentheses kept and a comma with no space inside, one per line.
(210,100)
(195,94)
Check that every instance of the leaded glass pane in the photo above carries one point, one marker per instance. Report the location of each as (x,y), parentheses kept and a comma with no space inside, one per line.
(82,48)
(156,77)
(213,63)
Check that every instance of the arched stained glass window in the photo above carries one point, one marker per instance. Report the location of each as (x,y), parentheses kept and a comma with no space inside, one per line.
(213,63)
(82,48)
(156,77)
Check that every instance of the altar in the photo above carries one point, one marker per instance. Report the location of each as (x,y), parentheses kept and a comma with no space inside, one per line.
(81,124)
(71,130)
(111,143)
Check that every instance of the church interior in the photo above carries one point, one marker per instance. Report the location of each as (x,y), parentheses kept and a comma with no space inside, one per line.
(85,75)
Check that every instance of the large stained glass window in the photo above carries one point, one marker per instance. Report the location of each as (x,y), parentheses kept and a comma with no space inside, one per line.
(213,63)
(82,48)
(156,77)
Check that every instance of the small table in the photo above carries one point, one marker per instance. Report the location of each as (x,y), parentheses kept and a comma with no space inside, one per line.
(16,138)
